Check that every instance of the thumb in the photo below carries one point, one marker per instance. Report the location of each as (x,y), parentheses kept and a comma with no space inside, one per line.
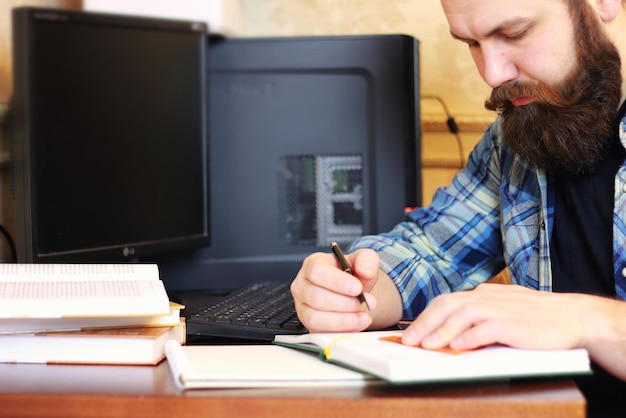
(365,265)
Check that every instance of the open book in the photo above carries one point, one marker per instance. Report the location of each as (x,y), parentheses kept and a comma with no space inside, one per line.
(381,354)
(254,366)
(54,296)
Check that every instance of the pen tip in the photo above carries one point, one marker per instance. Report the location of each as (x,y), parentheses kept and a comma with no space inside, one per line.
(366,307)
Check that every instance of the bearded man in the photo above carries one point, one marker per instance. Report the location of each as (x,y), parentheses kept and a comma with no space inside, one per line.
(543,194)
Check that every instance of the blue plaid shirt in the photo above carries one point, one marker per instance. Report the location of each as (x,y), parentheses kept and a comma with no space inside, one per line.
(497,212)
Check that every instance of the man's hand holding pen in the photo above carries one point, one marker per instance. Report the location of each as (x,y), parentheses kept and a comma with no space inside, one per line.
(327,297)
(345,266)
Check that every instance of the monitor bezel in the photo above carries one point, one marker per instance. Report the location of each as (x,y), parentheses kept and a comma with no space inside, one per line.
(24,144)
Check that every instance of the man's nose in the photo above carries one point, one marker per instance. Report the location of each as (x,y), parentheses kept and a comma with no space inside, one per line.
(496,66)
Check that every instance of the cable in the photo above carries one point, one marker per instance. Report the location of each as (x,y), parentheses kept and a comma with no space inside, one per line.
(453,128)
(10,241)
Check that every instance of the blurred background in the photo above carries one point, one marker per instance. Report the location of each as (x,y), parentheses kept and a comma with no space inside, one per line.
(450,84)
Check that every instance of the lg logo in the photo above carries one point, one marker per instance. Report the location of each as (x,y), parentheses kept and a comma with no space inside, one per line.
(128,251)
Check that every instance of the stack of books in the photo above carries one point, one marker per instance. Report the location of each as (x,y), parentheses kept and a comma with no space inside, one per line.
(86,314)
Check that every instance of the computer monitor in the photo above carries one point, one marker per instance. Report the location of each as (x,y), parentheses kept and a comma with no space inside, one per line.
(313,140)
(109,147)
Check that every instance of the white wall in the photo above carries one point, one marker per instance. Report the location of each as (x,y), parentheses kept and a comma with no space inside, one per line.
(222,16)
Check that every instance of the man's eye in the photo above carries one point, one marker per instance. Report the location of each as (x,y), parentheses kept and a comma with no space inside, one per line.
(515,36)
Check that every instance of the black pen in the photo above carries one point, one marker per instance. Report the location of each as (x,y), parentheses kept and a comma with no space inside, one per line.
(346,267)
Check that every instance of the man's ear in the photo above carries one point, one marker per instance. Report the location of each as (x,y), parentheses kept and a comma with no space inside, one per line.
(608,10)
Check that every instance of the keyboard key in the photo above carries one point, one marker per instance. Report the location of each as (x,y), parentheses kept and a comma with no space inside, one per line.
(293,325)
(222,320)
(257,323)
(276,322)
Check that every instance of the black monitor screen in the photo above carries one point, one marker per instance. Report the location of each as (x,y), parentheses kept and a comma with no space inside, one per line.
(110,146)
(313,140)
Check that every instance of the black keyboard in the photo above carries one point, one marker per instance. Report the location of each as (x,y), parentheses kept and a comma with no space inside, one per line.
(256,312)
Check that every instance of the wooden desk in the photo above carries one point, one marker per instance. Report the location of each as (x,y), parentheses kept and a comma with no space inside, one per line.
(110,391)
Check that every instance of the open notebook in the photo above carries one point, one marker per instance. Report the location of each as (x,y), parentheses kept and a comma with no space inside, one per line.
(381,354)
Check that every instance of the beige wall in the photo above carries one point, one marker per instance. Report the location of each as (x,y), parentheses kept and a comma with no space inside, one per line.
(5,36)
(447,69)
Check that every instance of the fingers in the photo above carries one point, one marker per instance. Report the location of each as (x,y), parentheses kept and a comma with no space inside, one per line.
(324,321)
(325,296)
(444,321)
(323,310)
(365,265)
(322,270)
(504,314)
(488,332)
(466,320)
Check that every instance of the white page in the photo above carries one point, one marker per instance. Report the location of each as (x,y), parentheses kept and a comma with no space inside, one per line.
(42,272)
(254,366)
(406,364)
(81,290)
(30,325)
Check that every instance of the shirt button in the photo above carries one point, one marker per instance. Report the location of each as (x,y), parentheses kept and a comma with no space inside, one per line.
(624,187)
(624,272)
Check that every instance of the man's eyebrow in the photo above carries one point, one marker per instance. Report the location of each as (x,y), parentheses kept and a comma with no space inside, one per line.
(498,29)
(460,38)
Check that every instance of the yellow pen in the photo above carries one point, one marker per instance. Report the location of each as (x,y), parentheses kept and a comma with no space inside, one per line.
(343,262)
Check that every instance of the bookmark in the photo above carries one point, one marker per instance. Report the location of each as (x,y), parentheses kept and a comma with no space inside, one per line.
(326,351)
(397,339)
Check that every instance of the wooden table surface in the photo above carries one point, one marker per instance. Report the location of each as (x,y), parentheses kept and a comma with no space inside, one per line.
(32,390)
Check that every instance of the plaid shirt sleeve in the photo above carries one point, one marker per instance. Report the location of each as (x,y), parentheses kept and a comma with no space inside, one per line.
(453,244)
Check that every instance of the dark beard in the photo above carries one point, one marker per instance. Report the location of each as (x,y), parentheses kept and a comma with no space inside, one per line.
(568,126)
